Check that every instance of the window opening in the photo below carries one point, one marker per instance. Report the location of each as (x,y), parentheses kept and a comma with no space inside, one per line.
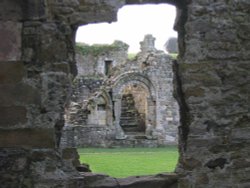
(94,72)
(108,67)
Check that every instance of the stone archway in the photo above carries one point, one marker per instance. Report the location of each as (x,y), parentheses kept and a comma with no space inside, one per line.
(133,78)
(134,108)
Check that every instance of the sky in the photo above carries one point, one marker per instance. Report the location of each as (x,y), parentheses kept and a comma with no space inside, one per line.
(134,22)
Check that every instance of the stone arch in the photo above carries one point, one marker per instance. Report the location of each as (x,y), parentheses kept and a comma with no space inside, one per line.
(101,111)
(108,107)
(120,83)
(133,77)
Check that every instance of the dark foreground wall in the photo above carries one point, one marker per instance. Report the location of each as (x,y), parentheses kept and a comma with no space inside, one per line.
(212,86)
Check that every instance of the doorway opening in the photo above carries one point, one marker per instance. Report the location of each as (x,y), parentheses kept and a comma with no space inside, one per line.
(134,109)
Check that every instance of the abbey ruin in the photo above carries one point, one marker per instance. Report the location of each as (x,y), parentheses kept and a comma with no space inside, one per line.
(119,102)
(211,86)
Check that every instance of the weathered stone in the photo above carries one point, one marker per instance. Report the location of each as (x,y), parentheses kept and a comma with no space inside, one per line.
(16,94)
(202,180)
(157,181)
(148,44)
(34,9)
(220,162)
(83,168)
(27,138)
(240,163)
(99,180)
(191,163)
(10,46)
(69,153)
(11,72)
(14,12)
(213,38)
(195,92)
(135,92)
(11,116)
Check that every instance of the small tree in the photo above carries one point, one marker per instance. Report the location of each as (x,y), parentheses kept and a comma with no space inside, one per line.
(171,45)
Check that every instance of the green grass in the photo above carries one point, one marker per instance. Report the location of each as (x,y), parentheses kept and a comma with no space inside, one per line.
(131,56)
(173,55)
(126,162)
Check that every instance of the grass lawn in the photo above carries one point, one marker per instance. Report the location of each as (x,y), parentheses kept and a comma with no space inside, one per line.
(124,162)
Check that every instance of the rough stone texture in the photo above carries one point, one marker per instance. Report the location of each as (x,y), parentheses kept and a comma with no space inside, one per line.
(157,181)
(93,63)
(213,92)
(214,55)
(28,138)
(138,94)
(10,46)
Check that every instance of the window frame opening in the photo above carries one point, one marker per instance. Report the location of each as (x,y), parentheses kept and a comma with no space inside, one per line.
(105,71)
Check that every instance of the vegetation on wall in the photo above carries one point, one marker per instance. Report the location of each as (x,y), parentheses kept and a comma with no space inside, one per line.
(98,49)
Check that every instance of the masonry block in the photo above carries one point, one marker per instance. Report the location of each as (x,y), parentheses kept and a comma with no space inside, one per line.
(11,10)
(28,138)
(10,37)
(19,93)
(11,116)
(34,9)
(11,72)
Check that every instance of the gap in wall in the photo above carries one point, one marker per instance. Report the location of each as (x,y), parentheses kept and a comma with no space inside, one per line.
(100,108)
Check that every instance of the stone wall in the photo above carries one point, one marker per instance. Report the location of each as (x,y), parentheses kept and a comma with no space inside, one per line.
(213,90)
(91,62)
(212,87)
(36,56)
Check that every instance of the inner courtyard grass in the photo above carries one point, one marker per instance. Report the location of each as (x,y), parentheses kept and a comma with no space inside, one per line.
(124,162)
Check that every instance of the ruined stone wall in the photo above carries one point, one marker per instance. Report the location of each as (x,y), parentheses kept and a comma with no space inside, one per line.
(155,66)
(213,90)
(86,65)
(91,60)
(36,54)
(150,72)
(212,87)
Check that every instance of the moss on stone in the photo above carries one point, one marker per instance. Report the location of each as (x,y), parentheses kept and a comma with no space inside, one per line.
(97,49)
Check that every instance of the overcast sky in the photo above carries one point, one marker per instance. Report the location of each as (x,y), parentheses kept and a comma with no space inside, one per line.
(134,21)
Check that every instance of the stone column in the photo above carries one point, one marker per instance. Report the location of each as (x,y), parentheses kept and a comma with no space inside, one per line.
(148,44)
(119,133)
(150,116)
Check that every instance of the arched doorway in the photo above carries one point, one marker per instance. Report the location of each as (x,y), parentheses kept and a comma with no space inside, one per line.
(134,104)
(134,109)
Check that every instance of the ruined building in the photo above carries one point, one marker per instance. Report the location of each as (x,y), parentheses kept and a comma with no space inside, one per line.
(121,102)
(37,59)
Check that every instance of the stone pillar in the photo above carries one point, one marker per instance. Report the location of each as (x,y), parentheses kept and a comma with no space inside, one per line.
(151,112)
(148,44)
(119,133)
